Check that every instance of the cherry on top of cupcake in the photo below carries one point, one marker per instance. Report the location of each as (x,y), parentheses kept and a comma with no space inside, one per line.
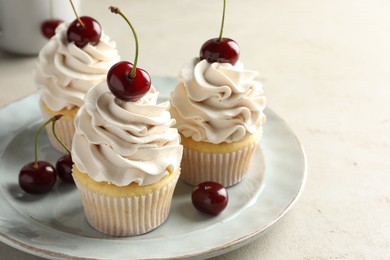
(84,30)
(124,79)
(221,49)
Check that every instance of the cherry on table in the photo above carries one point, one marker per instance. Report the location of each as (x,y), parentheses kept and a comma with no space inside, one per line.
(210,197)
(64,168)
(48,27)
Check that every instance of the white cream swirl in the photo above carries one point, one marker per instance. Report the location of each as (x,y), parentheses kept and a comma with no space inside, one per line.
(217,102)
(65,72)
(123,142)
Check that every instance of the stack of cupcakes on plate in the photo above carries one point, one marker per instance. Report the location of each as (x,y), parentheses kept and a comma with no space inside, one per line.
(128,151)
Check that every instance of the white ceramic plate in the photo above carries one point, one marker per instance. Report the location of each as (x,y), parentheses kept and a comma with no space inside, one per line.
(53,225)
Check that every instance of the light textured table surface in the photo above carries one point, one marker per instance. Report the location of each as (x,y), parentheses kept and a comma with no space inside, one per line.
(326,70)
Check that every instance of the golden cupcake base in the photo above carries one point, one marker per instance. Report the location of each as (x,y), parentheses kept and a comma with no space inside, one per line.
(225,163)
(125,211)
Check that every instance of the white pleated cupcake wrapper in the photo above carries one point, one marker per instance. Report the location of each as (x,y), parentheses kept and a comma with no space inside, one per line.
(227,169)
(64,129)
(127,216)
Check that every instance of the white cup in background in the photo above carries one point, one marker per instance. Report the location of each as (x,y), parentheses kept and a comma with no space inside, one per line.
(20,22)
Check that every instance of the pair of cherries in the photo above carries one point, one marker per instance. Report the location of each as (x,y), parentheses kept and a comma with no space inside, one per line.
(39,177)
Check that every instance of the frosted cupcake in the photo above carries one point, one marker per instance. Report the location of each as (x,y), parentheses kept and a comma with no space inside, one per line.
(127,161)
(65,72)
(218,109)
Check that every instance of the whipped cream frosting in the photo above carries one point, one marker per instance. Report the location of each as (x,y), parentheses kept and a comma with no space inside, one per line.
(65,72)
(123,142)
(217,102)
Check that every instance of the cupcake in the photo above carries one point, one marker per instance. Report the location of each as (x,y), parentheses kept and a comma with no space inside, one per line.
(64,73)
(126,161)
(218,108)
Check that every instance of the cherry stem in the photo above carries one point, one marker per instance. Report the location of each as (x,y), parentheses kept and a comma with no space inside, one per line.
(223,21)
(53,129)
(75,12)
(52,119)
(116,10)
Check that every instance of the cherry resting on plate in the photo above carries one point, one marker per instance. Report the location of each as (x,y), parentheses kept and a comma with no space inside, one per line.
(64,168)
(210,197)
(38,176)
(65,163)
(84,30)
(124,79)
(48,27)
(221,50)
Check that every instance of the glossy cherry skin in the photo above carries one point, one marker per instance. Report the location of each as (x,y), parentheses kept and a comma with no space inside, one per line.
(37,180)
(64,168)
(48,27)
(225,51)
(210,197)
(123,86)
(82,35)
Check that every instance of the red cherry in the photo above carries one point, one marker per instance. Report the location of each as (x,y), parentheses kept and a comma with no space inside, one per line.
(125,87)
(84,32)
(210,197)
(221,50)
(64,168)
(225,51)
(124,79)
(37,178)
(48,27)
(64,164)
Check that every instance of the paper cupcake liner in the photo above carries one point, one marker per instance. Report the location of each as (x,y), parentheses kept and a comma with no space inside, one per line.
(127,216)
(64,129)
(227,169)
